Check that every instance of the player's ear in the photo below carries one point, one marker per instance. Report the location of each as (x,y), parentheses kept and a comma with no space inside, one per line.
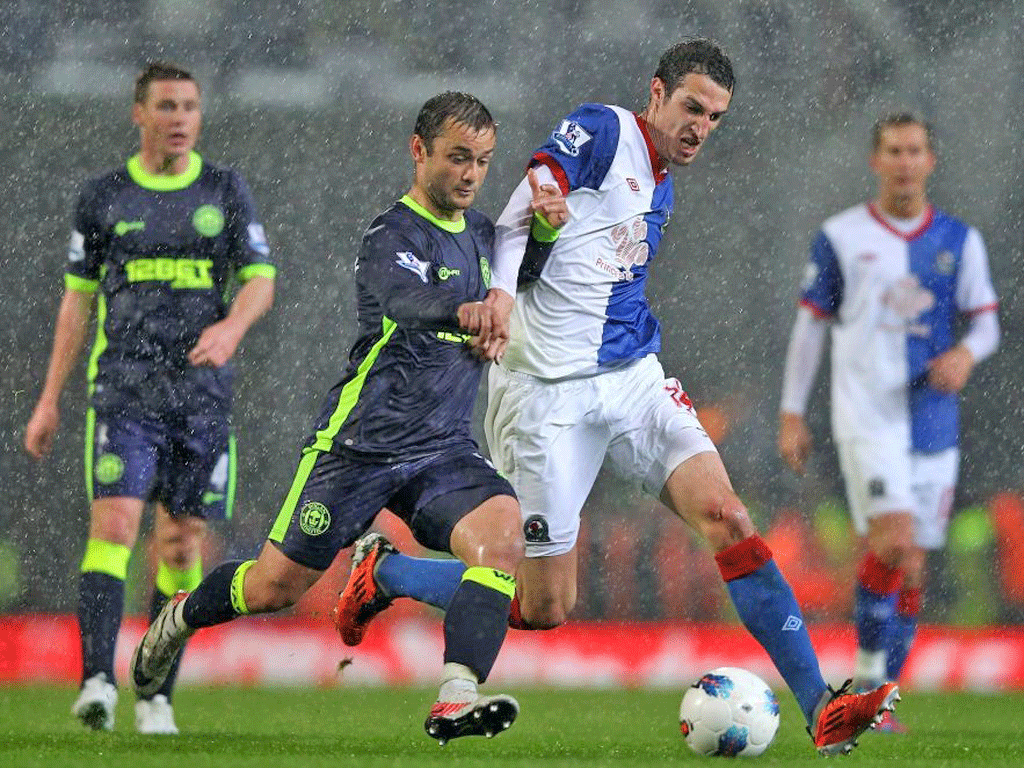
(137,113)
(418,148)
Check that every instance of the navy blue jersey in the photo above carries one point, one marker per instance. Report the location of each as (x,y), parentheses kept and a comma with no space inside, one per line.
(412,377)
(162,250)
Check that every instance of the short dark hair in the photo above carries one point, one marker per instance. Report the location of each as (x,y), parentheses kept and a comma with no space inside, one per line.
(455,106)
(159,70)
(898,120)
(698,56)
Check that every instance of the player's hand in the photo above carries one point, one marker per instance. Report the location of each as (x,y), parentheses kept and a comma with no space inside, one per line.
(483,321)
(42,427)
(950,371)
(217,344)
(794,441)
(548,201)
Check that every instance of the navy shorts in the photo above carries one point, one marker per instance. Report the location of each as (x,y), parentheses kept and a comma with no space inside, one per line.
(334,499)
(186,463)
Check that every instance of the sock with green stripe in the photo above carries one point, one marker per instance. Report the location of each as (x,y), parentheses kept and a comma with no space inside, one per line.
(101,605)
(477,619)
(218,598)
(170,581)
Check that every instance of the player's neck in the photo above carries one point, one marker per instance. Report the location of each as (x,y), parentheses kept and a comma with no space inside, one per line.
(420,196)
(655,138)
(901,206)
(159,164)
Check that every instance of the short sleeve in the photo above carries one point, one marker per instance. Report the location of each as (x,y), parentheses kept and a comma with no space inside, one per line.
(85,246)
(822,287)
(581,149)
(974,291)
(249,249)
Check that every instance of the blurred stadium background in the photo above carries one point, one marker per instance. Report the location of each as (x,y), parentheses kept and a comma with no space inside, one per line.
(313,101)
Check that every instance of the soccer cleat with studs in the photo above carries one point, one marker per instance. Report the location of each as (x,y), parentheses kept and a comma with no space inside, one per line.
(155,654)
(361,599)
(844,716)
(473,716)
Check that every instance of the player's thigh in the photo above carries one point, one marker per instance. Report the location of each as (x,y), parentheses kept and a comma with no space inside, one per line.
(458,503)
(699,491)
(934,485)
(121,456)
(331,502)
(877,475)
(656,428)
(550,441)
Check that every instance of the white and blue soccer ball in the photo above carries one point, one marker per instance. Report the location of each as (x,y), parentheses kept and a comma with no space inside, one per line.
(729,712)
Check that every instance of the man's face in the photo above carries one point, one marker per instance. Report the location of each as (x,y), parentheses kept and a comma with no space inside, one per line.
(169,118)
(455,168)
(903,161)
(682,120)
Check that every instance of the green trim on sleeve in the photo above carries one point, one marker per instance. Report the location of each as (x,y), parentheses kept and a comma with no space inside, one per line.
(493,578)
(76,283)
(542,231)
(448,226)
(164,182)
(257,270)
(350,392)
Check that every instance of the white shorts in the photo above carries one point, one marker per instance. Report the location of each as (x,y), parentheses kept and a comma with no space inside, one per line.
(881,479)
(549,439)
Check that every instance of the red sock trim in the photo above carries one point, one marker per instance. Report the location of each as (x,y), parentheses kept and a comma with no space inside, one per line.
(875,576)
(515,615)
(744,558)
(909,602)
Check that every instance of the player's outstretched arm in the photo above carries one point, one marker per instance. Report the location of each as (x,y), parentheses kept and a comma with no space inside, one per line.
(218,342)
(68,340)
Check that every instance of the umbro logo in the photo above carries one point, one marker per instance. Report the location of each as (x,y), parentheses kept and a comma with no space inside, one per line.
(633,184)
(793,624)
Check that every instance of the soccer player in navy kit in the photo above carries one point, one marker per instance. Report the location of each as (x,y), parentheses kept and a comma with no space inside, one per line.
(160,239)
(891,277)
(395,432)
(581,382)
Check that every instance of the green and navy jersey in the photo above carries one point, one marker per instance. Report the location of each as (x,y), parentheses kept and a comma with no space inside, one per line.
(162,251)
(412,377)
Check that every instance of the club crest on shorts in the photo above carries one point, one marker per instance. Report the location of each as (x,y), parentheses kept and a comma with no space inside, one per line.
(109,468)
(535,530)
(314,518)
(876,488)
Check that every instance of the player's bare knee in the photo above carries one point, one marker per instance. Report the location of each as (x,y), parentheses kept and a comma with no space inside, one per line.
(724,521)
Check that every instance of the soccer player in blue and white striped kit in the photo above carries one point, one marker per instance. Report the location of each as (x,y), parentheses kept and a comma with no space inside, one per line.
(890,277)
(581,380)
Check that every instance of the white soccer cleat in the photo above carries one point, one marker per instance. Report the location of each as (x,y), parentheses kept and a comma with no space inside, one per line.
(469,714)
(152,660)
(155,716)
(96,703)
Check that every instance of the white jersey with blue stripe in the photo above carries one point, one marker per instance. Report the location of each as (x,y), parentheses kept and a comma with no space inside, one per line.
(588,312)
(894,297)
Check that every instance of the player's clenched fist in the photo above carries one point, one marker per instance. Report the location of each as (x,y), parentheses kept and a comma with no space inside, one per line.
(548,201)
(487,324)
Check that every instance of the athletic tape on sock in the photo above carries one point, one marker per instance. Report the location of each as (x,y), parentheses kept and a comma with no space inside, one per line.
(170,581)
(493,578)
(238,588)
(106,557)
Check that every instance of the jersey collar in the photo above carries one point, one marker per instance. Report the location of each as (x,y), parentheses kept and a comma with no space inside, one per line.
(159,182)
(908,236)
(448,226)
(656,163)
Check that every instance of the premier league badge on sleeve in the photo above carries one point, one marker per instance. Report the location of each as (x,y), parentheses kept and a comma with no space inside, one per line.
(570,137)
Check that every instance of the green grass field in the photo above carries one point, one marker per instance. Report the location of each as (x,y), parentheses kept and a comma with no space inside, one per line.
(227,727)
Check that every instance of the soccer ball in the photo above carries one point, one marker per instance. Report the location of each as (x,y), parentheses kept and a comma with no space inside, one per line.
(729,712)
